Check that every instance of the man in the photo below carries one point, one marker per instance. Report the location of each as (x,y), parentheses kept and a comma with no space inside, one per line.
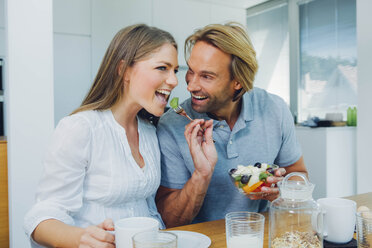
(249,126)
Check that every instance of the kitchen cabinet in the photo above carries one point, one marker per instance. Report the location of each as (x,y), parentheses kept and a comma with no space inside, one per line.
(4,220)
(330,157)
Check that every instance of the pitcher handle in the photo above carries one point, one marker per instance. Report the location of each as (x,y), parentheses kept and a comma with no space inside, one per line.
(296,174)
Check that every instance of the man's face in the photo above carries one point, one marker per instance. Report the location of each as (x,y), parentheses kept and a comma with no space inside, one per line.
(208,79)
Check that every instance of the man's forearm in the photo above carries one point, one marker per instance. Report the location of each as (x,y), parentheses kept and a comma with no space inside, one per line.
(179,207)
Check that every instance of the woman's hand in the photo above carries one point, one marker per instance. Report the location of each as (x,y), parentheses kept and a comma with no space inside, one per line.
(97,236)
(198,135)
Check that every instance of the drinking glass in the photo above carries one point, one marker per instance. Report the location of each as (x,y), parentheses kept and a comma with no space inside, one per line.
(364,229)
(244,229)
(127,227)
(153,239)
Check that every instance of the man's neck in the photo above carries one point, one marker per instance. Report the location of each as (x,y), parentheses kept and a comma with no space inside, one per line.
(230,114)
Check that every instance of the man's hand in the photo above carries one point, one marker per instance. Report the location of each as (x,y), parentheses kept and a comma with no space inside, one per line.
(273,193)
(97,236)
(270,193)
(198,134)
(180,206)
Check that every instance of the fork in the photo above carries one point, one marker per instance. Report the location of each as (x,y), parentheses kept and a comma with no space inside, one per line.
(179,110)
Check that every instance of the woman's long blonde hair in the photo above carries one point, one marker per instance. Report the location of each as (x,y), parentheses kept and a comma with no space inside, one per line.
(232,39)
(129,45)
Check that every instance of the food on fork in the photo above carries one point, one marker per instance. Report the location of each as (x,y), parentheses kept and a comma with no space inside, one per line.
(251,178)
(174,103)
(179,110)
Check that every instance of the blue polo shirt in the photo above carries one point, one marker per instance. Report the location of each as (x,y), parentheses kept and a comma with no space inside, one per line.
(264,132)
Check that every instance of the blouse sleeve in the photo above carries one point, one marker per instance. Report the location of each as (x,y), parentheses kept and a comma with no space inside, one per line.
(60,190)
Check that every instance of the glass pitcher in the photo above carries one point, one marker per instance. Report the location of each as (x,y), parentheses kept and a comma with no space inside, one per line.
(295,218)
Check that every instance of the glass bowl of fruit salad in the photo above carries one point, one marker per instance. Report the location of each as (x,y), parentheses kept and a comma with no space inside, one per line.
(250,179)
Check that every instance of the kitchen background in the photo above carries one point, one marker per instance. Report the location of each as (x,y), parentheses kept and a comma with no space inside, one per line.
(52,49)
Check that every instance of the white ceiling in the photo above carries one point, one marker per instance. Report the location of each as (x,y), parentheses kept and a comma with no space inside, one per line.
(236,3)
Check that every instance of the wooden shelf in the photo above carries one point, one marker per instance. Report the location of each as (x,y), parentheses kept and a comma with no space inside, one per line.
(4,219)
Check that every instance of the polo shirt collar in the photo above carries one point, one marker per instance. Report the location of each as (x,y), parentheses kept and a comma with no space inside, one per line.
(247,106)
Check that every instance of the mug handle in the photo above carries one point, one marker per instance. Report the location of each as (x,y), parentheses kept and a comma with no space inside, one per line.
(325,228)
(318,223)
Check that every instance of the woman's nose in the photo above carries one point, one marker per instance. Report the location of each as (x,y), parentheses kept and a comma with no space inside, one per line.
(172,80)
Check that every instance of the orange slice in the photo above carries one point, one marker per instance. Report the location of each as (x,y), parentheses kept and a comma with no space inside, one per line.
(249,189)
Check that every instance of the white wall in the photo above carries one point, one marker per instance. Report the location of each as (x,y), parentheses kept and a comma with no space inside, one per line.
(364,130)
(108,17)
(72,54)
(29,103)
(2,28)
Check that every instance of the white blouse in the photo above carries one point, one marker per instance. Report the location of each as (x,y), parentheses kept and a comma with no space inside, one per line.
(90,173)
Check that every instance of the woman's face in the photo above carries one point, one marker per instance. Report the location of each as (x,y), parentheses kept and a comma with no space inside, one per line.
(149,82)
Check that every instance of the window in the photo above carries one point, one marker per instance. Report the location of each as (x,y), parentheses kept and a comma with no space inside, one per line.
(307,53)
(328,55)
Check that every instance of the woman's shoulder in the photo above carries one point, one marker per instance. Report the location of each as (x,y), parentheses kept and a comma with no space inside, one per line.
(88,117)
(81,122)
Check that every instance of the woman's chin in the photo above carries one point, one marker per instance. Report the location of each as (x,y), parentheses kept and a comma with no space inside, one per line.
(157,112)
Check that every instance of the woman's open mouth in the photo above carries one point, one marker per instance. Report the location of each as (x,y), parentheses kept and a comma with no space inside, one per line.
(162,95)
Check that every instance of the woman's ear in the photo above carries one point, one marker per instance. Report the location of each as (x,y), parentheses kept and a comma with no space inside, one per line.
(120,67)
(121,71)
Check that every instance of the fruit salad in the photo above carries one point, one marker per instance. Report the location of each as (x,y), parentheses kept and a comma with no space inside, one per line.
(251,178)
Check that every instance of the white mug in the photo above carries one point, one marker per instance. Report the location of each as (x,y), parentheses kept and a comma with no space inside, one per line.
(339,219)
(126,228)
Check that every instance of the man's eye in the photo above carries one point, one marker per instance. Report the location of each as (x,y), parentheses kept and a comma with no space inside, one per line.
(206,76)
(161,68)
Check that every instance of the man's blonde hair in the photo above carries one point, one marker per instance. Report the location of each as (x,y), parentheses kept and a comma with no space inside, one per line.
(232,39)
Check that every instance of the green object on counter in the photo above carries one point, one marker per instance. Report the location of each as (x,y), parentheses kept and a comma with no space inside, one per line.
(354,117)
(351,116)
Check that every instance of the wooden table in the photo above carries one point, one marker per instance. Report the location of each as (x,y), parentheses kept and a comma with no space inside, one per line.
(215,230)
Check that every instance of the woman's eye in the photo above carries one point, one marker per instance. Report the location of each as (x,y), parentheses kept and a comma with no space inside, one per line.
(161,68)
(175,71)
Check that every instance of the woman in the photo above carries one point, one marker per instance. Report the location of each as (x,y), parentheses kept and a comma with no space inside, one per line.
(104,161)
